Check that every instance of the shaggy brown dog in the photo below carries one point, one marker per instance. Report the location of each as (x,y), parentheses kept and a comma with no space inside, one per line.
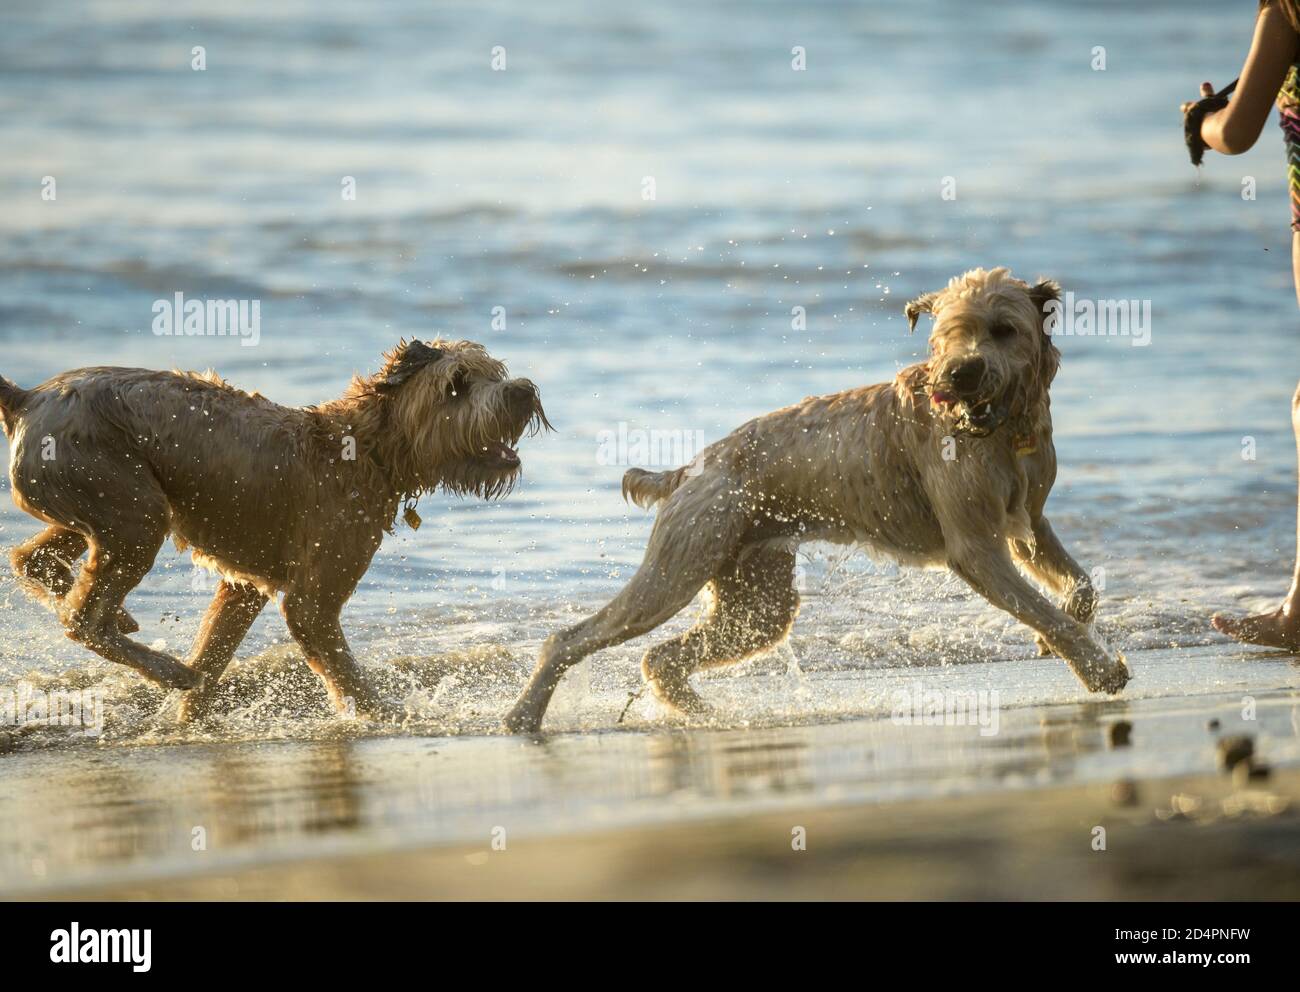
(950,464)
(273,499)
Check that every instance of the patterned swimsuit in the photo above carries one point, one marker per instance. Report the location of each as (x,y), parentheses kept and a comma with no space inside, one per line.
(1288,108)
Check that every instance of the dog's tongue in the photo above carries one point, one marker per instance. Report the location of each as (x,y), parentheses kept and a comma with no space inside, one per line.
(939,397)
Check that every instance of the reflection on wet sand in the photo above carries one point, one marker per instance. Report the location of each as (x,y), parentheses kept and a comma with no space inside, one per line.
(93,814)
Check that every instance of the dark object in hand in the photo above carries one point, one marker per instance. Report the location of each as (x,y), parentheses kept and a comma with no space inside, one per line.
(1194,117)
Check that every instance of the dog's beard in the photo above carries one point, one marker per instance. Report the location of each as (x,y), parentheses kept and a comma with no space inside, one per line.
(981,418)
(974,416)
(493,468)
(490,477)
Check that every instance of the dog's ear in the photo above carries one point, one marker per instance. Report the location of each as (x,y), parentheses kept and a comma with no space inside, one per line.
(922,304)
(1044,293)
(406,360)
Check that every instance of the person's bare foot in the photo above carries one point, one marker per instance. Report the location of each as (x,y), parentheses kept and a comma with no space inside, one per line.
(1273,630)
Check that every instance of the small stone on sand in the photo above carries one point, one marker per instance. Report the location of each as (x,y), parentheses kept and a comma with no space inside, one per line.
(1124,792)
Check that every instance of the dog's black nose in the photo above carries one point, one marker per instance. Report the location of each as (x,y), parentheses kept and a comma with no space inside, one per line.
(967,376)
(523,397)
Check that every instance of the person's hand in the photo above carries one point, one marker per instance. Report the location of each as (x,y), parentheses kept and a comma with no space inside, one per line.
(1206,90)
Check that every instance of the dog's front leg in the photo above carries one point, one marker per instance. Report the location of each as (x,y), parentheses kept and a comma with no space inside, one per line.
(233,610)
(988,568)
(1052,565)
(315,625)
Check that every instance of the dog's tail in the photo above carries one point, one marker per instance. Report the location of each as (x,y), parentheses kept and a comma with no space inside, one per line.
(12,398)
(645,489)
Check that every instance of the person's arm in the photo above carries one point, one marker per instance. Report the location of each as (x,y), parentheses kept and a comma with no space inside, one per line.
(1236,127)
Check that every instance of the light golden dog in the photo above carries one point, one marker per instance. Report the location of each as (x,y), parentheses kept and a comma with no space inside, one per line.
(950,464)
(274,499)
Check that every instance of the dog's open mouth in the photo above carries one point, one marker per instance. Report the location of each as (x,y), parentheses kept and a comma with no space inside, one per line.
(975,417)
(489,471)
(498,454)
(491,466)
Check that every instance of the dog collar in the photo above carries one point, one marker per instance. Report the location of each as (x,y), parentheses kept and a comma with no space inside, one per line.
(1024,444)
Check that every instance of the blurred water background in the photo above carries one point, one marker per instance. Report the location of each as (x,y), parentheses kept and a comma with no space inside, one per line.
(774,188)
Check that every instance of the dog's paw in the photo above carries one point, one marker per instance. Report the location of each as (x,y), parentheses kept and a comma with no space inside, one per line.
(695,712)
(1117,677)
(361,702)
(126,624)
(1044,649)
(521,720)
(1098,667)
(169,709)
(1081,603)
(191,707)
(1105,671)
(169,672)
(678,696)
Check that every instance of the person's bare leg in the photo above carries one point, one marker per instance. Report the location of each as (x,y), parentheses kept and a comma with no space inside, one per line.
(1278,628)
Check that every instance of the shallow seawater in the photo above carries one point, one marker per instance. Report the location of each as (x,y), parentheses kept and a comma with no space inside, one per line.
(774,189)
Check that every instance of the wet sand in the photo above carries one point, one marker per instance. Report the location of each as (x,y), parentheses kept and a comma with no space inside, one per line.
(1186,838)
(889,809)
